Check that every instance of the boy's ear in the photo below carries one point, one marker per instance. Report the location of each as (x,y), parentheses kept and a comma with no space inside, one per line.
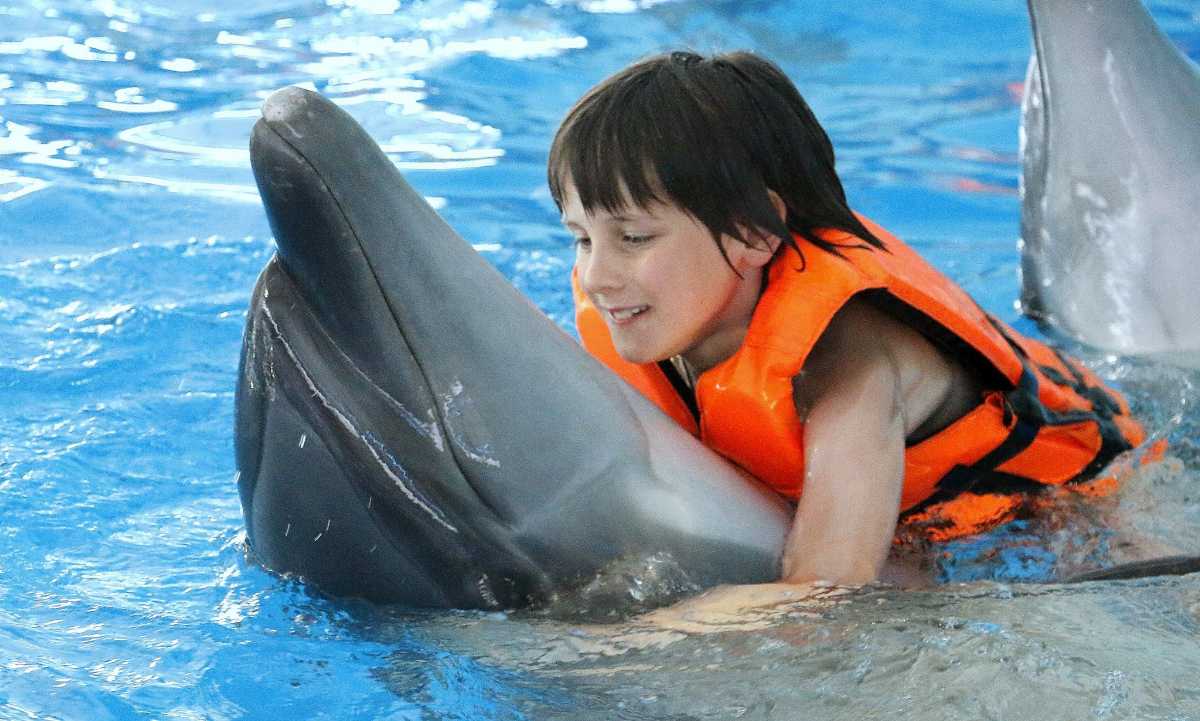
(780,206)
(755,253)
(760,247)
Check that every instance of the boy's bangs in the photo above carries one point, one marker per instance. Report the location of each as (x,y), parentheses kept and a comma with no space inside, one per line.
(606,158)
(659,133)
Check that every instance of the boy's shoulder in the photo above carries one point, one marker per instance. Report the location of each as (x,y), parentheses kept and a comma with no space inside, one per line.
(862,339)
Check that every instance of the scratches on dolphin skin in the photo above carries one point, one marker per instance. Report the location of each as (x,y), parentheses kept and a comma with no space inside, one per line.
(253,362)
(1109,229)
(348,424)
(265,364)
(404,481)
(454,406)
(430,430)
(328,523)
(251,345)
(1113,84)
(303,439)
(426,429)
(486,593)
(287,531)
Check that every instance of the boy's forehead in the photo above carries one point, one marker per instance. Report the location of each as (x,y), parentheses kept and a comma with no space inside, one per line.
(625,208)
(573,212)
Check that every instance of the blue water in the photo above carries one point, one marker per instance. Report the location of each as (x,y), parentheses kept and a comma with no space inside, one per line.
(130,236)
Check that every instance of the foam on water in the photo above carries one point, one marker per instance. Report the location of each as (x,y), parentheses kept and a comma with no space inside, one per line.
(130,237)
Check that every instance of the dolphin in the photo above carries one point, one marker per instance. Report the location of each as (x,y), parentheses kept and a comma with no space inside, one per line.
(1110,153)
(411,429)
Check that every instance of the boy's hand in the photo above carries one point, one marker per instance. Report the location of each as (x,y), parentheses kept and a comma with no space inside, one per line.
(747,607)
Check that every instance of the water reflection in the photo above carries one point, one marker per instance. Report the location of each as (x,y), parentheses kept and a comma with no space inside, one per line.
(202,75)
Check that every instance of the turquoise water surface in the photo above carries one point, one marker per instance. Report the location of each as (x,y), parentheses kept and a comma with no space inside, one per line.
(131,235)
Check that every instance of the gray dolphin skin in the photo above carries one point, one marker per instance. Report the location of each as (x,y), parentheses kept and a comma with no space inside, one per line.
(410,429)
(1110,149)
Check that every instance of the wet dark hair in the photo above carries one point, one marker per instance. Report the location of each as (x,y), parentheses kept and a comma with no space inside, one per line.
(712,135)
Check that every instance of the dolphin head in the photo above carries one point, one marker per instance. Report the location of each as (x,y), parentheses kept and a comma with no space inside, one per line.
(1110,148)
(410,428)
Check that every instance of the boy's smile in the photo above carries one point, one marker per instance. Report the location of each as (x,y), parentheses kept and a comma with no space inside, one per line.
(660,282)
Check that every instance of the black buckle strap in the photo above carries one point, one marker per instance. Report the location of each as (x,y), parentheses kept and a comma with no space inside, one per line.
(1031,416)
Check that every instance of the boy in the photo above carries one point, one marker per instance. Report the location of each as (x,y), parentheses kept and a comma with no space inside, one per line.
(720,271)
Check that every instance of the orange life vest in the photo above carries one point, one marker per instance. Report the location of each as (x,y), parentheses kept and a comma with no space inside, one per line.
(1047,419)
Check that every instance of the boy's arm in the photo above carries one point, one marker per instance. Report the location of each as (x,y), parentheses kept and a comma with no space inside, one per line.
(850,396)
(854,433)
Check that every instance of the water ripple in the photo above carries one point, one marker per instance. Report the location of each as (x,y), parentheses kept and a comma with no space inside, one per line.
(201,75)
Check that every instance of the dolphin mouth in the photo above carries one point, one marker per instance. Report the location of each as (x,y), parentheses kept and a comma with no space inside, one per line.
(327,358)
(285,136)
(270,137)
(385,271)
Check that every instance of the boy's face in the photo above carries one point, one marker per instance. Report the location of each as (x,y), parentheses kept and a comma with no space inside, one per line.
(659,281)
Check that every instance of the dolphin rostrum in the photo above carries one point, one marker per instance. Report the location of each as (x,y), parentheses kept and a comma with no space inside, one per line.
(410,429)
(1110,151)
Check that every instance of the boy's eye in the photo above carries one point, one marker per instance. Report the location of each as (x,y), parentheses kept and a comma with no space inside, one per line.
(583,242)
(635,238)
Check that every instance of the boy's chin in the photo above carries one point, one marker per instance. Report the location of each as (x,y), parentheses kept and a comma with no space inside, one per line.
(637,356)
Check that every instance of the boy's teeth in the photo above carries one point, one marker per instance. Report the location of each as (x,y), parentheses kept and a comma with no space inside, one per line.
(627,313)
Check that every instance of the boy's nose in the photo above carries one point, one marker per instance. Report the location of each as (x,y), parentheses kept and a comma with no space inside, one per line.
(599,271)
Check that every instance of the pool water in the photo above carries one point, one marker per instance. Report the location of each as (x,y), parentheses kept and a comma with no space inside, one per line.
(130,237)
